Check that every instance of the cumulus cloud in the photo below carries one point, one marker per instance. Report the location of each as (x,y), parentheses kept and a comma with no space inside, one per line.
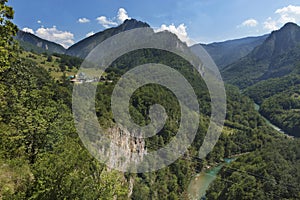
(122,15)
(180,31)
(106,23)
(63,38)
(270,24)
(83,20)
(249,23)
(39,21)
(90,34)
(28,30)
(115,21)
(286,14)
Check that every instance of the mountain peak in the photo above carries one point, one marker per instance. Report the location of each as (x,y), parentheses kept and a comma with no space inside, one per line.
(290,29)
(289,25)
(279,42)
(276,57)
(31,42)
(135,23)
(82,48)
(129,24)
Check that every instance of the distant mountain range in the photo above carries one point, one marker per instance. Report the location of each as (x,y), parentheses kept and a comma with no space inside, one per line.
(277,56)
(225,53)
(85,46)
(266,68)
(82,48)
(243,62)
(270,75)
(30,42)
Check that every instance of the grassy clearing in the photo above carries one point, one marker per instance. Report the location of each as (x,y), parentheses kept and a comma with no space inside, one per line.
(51,65)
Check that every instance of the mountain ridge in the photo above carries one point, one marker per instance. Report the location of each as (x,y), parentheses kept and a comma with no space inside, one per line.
(239,47)
(83,47)
(276,57)
(280,41)
(270,75)
(31,42)
(226,52)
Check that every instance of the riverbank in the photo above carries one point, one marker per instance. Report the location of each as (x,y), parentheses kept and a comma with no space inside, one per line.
(200,183)
(257,107)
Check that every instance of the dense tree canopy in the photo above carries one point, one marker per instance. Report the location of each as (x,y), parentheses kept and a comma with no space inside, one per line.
(268,173)
(42,157)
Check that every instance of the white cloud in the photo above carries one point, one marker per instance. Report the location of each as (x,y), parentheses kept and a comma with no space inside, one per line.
(122,15)
(90,34)
(270,24)
(180,31)
(288,14)
(28,30)
(289,9)
(83,20)
(283,15)
(249,23)
(64,38)
(39,21)
(115,21)
(106,23)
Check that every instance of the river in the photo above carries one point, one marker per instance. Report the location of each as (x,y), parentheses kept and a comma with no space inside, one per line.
(201,181)
(256,106)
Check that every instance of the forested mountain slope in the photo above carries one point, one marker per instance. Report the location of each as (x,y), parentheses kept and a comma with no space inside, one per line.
(31,42)
(228,52)
(278,56)
(42,157)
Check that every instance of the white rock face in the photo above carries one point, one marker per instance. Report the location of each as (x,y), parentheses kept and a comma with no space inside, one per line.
(123,149)
(40,44)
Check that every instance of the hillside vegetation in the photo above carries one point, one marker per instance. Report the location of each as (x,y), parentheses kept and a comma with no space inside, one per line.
(42,157)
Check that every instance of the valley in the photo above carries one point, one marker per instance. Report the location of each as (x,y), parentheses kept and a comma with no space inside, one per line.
(257,107)
(43,157)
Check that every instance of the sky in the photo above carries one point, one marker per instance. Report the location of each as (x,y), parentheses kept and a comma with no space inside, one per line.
(193,21)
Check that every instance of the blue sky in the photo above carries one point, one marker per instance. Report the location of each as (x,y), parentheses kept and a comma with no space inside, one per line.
(205,21)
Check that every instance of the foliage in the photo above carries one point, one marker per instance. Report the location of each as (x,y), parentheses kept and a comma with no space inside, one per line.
(40,153)
(69,61)
(246,130)
(268,173)
(41,156)
(278,56)
(283,110)
(279,99)
(265,89)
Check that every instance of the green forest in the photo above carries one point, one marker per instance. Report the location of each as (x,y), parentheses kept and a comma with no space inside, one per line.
(42,156)
(268,173)
(279,100)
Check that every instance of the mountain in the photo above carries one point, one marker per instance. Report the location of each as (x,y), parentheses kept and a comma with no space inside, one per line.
(277,56)
(270,75)
(42,155)
(30,42)
(85,46)
(223,53)
(227,52)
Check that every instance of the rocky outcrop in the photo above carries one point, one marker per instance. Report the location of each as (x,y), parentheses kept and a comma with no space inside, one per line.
(123,149)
